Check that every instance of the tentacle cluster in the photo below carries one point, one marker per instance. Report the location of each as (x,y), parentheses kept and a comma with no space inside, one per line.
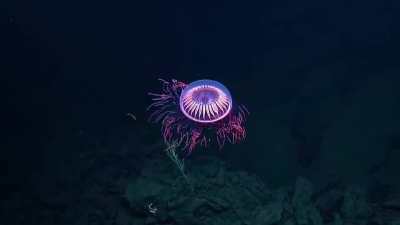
(177,127)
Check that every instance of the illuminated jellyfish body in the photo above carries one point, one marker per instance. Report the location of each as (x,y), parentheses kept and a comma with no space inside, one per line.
(205,101)
(198,113)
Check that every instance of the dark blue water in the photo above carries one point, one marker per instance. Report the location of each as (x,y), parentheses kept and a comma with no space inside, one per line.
(320,79)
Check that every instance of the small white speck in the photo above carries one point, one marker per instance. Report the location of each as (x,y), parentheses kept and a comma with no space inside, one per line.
(131,116)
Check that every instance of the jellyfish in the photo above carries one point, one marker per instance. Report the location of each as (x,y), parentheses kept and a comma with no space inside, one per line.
(199,113)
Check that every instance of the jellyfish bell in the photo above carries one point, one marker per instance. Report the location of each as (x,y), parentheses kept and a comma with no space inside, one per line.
(197,113)
(205,101)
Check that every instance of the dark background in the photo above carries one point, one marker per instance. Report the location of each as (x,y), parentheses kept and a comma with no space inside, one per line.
(72,66)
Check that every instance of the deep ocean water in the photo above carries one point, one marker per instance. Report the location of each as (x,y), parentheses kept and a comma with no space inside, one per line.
(320,80)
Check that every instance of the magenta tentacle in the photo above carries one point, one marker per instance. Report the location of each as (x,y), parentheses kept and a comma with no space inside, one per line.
(197,114)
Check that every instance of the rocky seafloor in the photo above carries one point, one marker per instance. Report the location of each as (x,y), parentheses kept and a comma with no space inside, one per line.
(218,195)
(99,186)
